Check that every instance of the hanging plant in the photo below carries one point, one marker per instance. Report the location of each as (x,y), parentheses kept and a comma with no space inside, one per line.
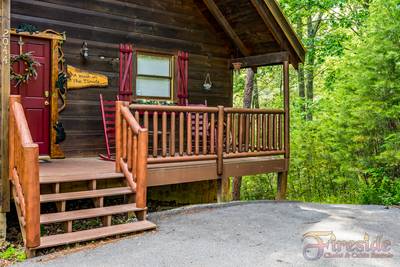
(30,68)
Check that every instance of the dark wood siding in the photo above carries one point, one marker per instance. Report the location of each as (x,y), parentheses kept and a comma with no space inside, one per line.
(168,25)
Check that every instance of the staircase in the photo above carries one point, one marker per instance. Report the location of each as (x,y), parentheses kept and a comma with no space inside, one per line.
(112,186)
(80,192)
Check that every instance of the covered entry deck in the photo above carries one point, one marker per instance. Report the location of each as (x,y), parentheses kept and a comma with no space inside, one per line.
(78,169)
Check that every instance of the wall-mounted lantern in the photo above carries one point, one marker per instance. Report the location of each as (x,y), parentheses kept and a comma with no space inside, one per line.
(85,50)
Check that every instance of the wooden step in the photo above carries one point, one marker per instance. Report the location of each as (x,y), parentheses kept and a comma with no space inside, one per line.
(79,177)
(80,236)
(85,194)
(87,213)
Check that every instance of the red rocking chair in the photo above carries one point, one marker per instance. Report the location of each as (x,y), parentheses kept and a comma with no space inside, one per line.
(107,108)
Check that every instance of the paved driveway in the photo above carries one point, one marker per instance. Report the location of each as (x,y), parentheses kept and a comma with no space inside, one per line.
(252,234)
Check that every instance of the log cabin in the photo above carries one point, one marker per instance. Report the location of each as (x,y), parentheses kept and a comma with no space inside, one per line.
(148,86)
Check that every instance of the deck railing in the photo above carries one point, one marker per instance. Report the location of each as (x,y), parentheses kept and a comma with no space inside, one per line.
(24,173)
(253,132)
(131,151)
(194,133)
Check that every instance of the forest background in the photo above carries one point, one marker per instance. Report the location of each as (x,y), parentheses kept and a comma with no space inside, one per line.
(345,112)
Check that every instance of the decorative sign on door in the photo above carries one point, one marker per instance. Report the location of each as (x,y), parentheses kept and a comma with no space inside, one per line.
(78,79)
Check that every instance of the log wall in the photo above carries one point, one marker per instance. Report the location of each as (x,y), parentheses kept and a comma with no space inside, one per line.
(168,25)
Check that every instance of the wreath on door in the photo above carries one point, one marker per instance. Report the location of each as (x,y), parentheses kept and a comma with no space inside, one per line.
(30,68)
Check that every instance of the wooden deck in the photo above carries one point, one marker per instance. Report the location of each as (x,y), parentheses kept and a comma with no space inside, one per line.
(72,169)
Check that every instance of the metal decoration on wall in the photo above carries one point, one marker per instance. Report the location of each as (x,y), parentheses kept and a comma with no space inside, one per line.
(61,83)
(26,27)
(60,132)
(207,82)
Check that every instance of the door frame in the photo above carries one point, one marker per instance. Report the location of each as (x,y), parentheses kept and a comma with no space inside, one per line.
(56,66)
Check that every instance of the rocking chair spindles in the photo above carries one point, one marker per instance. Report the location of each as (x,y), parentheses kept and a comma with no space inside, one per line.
(107,108)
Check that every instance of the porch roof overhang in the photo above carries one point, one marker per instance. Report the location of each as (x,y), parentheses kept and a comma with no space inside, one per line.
(257,29)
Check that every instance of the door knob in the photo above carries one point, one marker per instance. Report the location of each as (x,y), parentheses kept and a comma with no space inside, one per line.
(46,94)
(46,103)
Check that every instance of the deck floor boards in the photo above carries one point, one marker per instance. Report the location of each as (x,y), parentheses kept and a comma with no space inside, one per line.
(92,168)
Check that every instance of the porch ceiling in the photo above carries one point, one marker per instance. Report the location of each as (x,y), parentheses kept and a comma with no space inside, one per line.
(259,24)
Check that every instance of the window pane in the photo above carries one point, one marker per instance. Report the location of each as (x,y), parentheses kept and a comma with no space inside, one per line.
(153,87)
(153,65)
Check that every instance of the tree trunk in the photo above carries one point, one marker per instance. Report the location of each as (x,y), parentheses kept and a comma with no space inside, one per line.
(300,72)
(248,95)
(256,96)
(309,70)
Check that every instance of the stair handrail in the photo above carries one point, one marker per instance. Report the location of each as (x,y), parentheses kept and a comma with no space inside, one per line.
(131,151)
(24,173)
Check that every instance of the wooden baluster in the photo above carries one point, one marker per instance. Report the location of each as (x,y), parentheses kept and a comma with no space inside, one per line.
(124,139)
(228,133)
(181,133)
(241,120)
(280,131)
(264,132)
(197,135)
(205,125)
(247,131)
(146,119)
(189,134)
(172,136)
(269,138)
(118,135)
(155,134)
(134,155)
(234,132)
(164,134)
(252,130)
(137,116)
(129,159)
(273,132)
(212,134)
(259,133)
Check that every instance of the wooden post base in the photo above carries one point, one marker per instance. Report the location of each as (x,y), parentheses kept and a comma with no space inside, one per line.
(3,226)
(223,192)
(282,185)
(30,253)
(141,215)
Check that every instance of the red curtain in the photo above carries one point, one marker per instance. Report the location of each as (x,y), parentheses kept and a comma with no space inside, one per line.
(183,60)
(125,72)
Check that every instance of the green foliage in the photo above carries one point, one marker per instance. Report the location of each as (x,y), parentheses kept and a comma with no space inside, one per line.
(350,151)
(10,253)
(258,187)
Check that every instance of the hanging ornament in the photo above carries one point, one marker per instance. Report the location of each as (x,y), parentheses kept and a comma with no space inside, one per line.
(207,82)
(237,66)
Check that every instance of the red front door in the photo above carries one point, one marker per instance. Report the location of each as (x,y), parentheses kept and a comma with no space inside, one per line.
(35,93)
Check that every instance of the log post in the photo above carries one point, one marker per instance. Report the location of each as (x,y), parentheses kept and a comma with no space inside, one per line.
(223,191)
(141,179)
(220,145)
(11,134)
(4,108)
(30,181)
(282,177)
